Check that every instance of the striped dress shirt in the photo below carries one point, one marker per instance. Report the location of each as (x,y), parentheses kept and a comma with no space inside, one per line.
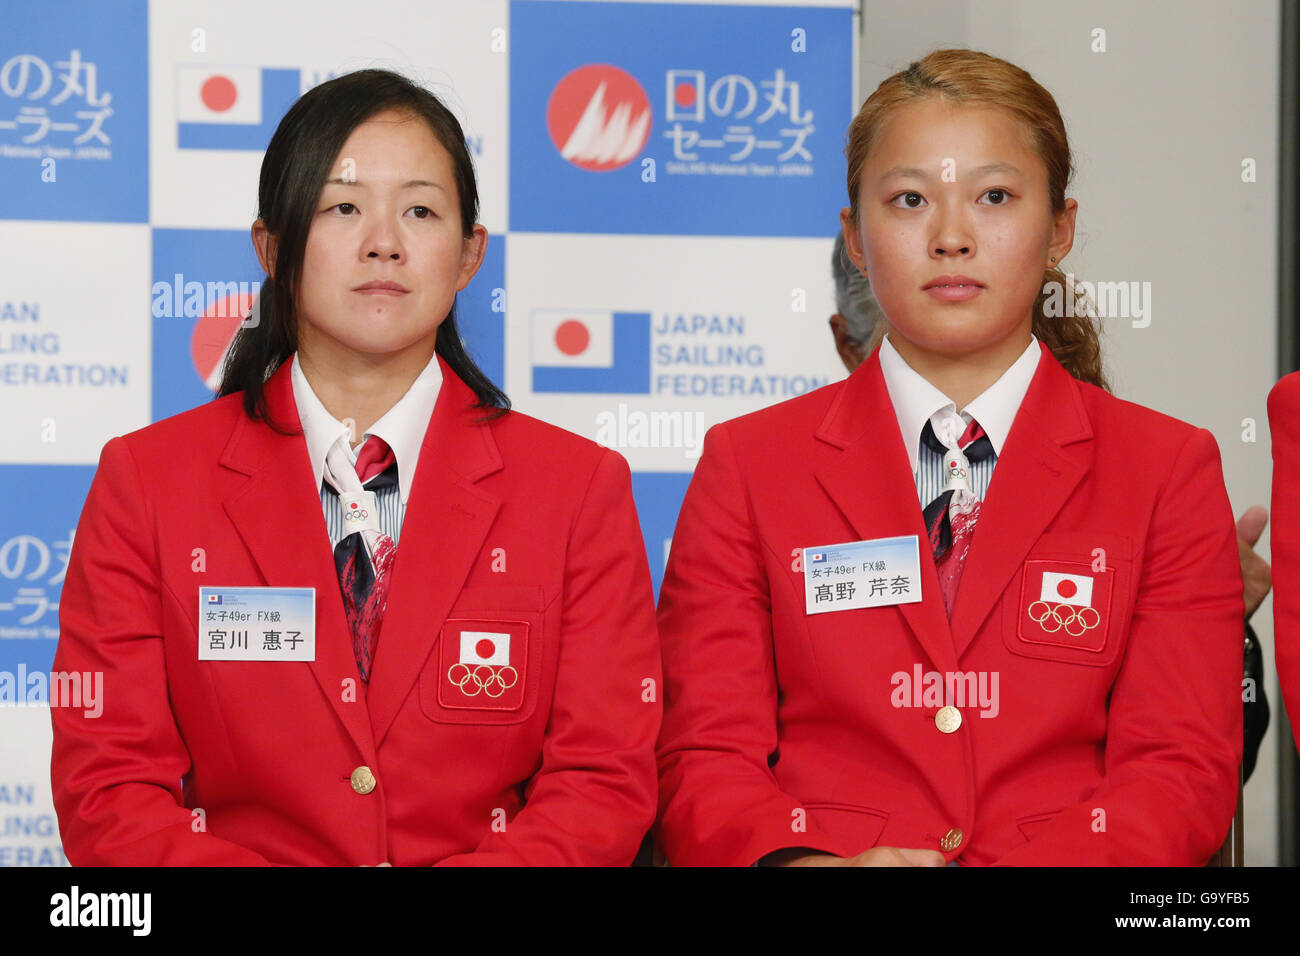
(915,400)
(403,427)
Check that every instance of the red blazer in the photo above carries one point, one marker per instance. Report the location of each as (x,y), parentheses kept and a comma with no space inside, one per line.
(1284,427)
(515,520)
(780,728)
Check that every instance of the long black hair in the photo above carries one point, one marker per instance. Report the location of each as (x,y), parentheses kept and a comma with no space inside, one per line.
(294,169)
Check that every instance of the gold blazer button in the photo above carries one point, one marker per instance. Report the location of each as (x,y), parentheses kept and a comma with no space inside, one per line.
(947,719)
(951,840)
(363,781)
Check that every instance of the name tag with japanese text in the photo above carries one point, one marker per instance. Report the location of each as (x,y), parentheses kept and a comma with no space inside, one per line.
(257,624)
(840,577)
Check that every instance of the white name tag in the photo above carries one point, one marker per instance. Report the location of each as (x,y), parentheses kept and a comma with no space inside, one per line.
(840,577)
(257,624)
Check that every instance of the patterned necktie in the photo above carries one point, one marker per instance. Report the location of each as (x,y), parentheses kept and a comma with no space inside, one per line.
(364,558)
(950,518)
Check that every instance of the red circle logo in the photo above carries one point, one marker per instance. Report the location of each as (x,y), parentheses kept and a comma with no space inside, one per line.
(1067,589)
(213,334)
(485,649)
(599,117)
(572,337)
(218,93)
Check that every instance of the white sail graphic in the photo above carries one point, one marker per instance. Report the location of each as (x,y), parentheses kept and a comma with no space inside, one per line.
(606,139)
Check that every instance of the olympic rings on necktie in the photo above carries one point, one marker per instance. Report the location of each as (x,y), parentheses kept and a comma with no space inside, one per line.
(360,515)
(1075,623)
(485,678)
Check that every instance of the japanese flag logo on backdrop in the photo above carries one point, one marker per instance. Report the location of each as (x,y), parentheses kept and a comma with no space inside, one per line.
(228,94)
(581,338)
(482,664)
(1065,604)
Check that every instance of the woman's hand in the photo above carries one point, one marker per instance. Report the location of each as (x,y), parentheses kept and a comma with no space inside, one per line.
(1255,571)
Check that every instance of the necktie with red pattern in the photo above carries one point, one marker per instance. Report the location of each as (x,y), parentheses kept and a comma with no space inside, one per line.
(364,559)
(950,518)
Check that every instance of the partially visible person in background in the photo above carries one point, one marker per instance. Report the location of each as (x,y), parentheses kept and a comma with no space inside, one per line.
(858,326)
(1284,427)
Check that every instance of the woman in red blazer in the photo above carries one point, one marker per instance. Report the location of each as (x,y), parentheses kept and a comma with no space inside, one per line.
(1063,687)
(1284,428)
(505,711)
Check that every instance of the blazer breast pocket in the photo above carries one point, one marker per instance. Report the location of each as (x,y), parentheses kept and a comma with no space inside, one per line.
(486,664)
(1071,599)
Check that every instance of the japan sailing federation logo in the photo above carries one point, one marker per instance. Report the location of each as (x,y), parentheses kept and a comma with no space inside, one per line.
(599,117)
(1062,606)
(482,664)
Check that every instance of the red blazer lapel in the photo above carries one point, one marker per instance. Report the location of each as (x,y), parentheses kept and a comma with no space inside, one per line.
(866,473)
(447,519)
(278,514)
(1033,478)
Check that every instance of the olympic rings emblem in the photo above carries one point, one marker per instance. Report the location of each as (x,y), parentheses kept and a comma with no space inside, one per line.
(1077,617)
(359,515)
(471,680)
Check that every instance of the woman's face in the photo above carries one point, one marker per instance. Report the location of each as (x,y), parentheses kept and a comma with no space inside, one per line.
(389,212)
(956,191)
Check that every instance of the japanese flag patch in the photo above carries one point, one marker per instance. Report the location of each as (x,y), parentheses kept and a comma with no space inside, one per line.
(482,664)
(1065,604)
